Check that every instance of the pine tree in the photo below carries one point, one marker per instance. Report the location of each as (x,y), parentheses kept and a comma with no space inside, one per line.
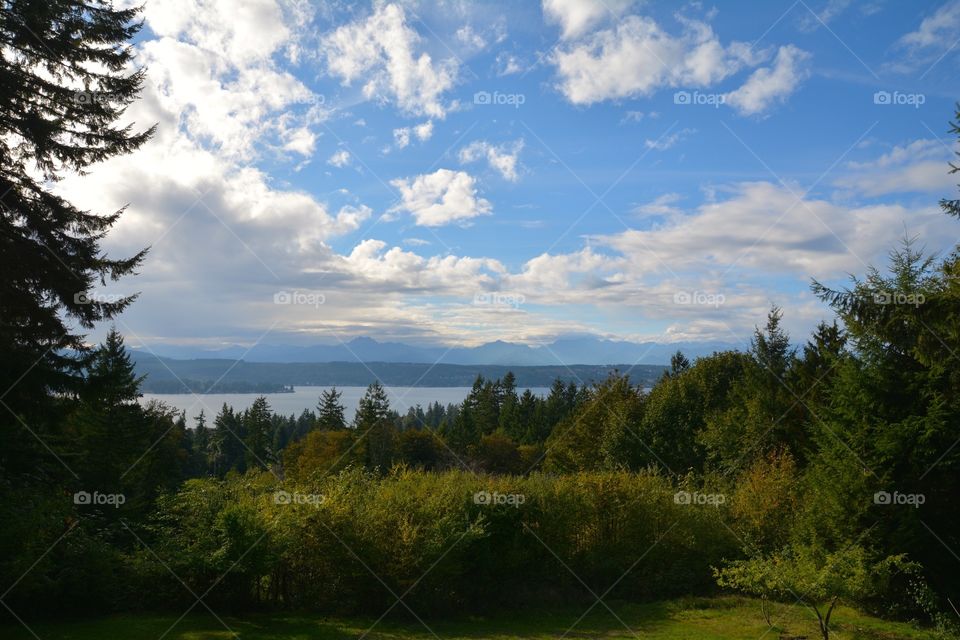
(330,411)
(374,423)
(510,408)
(258,423)
(50,252)
(201,446)
(108,419)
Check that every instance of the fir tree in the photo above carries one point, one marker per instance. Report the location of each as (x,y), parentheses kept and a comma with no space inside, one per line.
(330,411)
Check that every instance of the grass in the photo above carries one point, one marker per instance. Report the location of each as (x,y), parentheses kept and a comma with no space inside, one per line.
(702,618)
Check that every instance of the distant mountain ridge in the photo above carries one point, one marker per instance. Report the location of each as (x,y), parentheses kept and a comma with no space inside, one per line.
(564,351)
(168,375)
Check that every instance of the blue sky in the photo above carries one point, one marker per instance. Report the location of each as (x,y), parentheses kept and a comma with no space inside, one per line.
(460,172)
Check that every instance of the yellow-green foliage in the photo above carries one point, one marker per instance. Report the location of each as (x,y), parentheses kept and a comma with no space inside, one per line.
(450,540)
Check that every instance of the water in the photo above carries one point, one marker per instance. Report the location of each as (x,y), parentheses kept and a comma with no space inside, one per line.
(401,399)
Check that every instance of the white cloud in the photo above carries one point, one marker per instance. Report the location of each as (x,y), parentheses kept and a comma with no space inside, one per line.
(665,142)
(503,157)
(637,57)
(470,38)
(576,17)
(763,229)
(401,137)
(918,166)
(938,31)
(339,159)
(441,197)
(507,64)
(769,85)
(424,131)
(381,52)
(662,206)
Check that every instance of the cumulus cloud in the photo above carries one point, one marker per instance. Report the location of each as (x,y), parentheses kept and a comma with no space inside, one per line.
(764,228)
(920,166)
(503,158)
(637,57)
(381,52)
(507,64)
(576,17)
(402,135)
(441,197)
(212,62)
(936,32)
(339,159)
(769,85)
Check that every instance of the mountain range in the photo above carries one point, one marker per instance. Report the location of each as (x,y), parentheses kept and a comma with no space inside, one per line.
(564,351)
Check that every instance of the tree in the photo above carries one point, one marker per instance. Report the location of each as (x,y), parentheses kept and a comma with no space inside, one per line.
(420,448)
(601,434)
(814,575)
(226,443)
(321,453)
(497,453)
(374,424)
(510,421)
(201,445)
(330,411)
(111,426)
(678,363)
(762,412)
(257,422)
(67,80)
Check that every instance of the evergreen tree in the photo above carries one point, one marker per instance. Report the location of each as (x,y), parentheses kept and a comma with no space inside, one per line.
(258,424)
(330,411)
(510,407)
(108,420)
(50,252)
(226,443)
(678,363)
(201,445)
(374,423)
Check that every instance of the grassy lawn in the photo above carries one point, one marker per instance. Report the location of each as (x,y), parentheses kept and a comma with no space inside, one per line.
(715,618)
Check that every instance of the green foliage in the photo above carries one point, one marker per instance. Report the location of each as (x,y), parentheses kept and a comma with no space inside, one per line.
(68,76)
(486,541)
(330,411)
(814,575)
(601,434)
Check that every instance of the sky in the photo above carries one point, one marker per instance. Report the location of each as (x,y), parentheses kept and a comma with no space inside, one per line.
(458,173)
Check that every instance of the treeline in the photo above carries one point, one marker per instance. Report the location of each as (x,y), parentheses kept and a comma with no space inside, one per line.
(495,429)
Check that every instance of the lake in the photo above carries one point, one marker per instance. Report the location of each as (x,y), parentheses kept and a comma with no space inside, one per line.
(401,399)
